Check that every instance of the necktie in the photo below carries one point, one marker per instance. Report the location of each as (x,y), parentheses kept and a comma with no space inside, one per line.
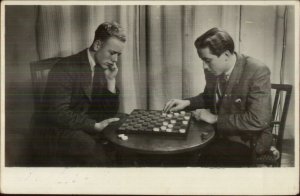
(222,83)
(99,83)
(221,87)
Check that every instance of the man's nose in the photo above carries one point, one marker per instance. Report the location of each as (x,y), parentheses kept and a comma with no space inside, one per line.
(115,58)
(205,66)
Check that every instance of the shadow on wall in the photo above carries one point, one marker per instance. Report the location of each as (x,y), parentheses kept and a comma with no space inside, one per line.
(20,50)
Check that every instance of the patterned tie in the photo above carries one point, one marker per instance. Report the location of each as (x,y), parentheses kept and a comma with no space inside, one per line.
(221,87)
(222,83)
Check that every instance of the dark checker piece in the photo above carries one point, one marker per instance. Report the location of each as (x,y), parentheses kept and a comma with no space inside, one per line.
(156,123)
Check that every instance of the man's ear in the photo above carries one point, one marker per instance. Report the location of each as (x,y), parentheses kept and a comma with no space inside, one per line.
(227,53)
(97,45)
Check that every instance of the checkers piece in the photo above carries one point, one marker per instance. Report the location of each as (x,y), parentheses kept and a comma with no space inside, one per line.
(156,129)
(187,118)
(173,121)
(163,128)
(170,125)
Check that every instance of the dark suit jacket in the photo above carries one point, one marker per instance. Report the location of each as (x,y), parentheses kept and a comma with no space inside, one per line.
(246,104)
(67,97)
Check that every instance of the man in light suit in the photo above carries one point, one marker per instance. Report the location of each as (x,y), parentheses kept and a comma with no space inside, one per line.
(236,98)
(80,100)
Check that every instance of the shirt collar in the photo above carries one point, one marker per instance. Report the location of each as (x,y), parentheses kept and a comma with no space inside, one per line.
(91,60)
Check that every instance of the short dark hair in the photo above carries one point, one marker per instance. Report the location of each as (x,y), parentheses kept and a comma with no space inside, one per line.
(109,29)
(217,40)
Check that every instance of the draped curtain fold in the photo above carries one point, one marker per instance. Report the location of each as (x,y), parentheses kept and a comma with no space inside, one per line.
(160,61)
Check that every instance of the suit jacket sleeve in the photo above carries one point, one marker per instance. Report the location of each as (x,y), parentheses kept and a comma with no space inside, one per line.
(110,103)
(198,101)
(204,99)
(58,97)
(257,115)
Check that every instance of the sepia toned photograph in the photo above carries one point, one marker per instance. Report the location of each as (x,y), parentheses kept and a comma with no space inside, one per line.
(139,86)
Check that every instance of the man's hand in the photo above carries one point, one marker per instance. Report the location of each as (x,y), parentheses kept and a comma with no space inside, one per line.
(175,105)
(101,125)
(111,71)
(205,115)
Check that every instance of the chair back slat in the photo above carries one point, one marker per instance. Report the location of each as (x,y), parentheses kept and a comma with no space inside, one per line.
(279,113)
(39,75)
(275,105)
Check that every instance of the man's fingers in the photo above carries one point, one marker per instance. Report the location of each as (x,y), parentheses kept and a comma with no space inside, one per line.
(111,67)
(110,120)
(169,106)
(106,122)
(193,113)
(166,106)
(197,114)
(175,109)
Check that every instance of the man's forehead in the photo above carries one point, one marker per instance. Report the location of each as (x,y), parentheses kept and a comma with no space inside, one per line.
(114,44)
(204,53)
(114,40)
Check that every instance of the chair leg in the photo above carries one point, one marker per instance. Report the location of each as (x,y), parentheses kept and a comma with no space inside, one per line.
(252,147)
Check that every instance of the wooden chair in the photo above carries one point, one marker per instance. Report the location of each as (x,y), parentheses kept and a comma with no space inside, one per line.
(39,75)
(279,115)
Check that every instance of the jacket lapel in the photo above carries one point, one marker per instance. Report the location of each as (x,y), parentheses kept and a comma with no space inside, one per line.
(233,80)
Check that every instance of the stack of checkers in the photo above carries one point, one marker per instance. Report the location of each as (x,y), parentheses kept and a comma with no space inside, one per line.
(156,122)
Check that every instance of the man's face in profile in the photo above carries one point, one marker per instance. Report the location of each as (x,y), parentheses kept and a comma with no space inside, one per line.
(214,64)
(108,53)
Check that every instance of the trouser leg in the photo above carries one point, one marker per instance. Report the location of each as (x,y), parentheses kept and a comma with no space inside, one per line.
(225,153)
(70,148)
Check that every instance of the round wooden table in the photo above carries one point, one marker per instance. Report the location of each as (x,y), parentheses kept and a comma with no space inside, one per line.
(199,135)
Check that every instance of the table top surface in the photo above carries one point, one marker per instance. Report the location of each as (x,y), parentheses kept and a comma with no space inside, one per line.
(162,144)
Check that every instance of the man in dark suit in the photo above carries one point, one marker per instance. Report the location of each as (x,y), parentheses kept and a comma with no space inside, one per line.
(81,98)
(236,98)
